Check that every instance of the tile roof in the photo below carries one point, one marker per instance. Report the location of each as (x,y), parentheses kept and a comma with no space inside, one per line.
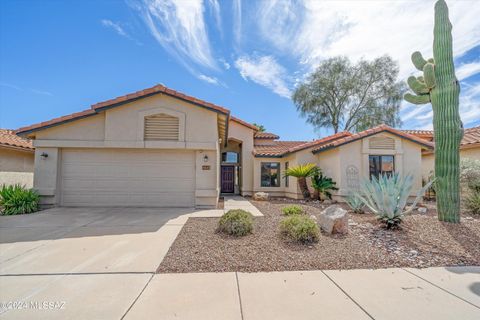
(94,109)
(369,132)
(471,136)
(8,138)
(244,123)
(266,135)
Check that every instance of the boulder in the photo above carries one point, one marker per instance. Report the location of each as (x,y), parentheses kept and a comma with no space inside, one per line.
(260,196)
(334,219)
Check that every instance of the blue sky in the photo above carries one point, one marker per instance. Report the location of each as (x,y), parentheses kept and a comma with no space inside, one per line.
(59,57)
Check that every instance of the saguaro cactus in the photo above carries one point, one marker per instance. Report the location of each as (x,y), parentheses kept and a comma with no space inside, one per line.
(440,87)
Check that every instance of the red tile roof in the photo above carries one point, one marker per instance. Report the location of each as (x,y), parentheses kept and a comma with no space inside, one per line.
(244,123)
(158,89)
(369,132)
(471,136)
(9,139)
(266,135)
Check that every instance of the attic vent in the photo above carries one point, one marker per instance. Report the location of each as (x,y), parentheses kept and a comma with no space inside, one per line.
(381,143)
(161,127)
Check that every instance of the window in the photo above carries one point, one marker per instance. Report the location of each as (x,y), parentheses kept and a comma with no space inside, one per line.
(286,177)
(270,174)
(381,165)
(230,157)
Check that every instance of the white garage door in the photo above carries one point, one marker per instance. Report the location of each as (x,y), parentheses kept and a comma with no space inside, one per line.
(128,177)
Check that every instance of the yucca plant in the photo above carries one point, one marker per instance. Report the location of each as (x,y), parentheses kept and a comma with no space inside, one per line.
(302,172)
(355,203)
(323,185)
(16,199)
(387,197)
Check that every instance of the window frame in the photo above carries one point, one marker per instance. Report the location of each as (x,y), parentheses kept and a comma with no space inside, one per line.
(380,172)
(264,165)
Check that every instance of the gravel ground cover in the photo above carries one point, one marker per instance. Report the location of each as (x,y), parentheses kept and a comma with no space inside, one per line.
(422,241)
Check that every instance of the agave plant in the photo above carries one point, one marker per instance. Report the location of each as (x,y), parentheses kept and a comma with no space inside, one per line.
(387,197)
(323,185)
(355,203)
(302,172)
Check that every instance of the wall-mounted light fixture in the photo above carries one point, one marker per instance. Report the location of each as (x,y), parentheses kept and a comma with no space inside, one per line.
(44,155)
(205,158)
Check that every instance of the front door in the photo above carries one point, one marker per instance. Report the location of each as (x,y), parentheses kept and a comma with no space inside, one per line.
(227,175)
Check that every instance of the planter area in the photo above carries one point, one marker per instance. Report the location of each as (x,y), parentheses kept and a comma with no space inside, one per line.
(422,241)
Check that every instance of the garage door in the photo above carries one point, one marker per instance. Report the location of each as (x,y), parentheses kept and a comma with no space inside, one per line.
(126,177)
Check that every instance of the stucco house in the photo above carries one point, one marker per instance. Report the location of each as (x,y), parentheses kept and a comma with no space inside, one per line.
(162,148)
(469,147)
(16,159)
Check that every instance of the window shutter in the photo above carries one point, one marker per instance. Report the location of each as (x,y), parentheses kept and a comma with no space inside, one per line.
(381,143)
(161,127)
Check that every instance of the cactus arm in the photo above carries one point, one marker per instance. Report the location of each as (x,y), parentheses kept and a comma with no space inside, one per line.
(420,99)
(429,75)
(418,60)
(417,86)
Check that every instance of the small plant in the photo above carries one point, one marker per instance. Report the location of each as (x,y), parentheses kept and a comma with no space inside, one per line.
(300,228)
(355,203)
(472,202)
(387,197)
(16,199)
(292,210)
(323,185)
(302,172)
(236,223)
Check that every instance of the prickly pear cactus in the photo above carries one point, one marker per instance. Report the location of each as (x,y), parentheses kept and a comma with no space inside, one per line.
(440,87)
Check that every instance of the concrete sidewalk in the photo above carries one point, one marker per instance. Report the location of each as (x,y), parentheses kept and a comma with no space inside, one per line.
(433,293)
(239,202)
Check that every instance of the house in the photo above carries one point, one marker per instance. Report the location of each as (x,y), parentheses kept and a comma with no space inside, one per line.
(469,147)
(162,148)
(16,159)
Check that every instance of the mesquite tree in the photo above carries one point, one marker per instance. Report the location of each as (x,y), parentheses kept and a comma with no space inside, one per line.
(440,87)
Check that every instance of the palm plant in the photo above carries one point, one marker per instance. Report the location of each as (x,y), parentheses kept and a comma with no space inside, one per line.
(302,172)
(323,185)
(387,197)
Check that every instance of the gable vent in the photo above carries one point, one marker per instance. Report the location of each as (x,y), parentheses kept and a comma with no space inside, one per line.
(161,127)
(381,143)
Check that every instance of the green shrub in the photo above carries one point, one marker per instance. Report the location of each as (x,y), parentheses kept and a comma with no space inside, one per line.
(292,210)
(16,199)
(236,223)
(355,203)
(300,228)
(472,202)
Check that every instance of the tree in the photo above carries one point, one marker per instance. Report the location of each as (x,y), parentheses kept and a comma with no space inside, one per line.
(351,97)
(302,172)
(260,127)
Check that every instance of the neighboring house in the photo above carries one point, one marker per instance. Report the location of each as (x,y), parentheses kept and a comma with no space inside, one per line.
(16,159)
(469,147)
(161,148)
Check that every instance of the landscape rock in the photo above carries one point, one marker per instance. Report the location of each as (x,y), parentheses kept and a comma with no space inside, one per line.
(260,196)
(334,219)
(422,210)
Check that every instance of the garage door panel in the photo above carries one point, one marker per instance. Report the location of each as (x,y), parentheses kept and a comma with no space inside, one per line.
(123,177)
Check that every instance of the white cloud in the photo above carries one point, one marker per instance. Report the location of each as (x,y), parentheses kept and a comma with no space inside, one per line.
(179,27)
(211,80)
(115,26)
(226,65)
(215,8)
(264,71)
(35,91)
(237,20)
(467,70)
(41,92)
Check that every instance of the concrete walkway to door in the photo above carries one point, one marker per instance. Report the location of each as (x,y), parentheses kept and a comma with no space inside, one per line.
(239,202)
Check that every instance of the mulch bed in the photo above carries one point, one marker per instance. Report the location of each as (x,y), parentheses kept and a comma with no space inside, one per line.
(422,241)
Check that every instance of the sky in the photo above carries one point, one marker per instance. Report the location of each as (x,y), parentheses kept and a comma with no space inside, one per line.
(60,57)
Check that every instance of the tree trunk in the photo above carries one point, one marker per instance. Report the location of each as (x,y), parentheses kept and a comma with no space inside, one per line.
(316,195)
(302,183)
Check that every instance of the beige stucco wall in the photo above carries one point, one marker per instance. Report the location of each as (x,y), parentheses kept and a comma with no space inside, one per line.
(122,127)
(16,167)
(428,160)
(244,135)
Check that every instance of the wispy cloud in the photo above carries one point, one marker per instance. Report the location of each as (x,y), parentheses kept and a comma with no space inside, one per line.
(215,10)
(115,26)
(42,92)
(30,90)
(467,70)
(264,70)
(211,80)
(179,27)
(237,21)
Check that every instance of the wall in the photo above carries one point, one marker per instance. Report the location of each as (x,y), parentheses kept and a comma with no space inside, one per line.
(245,135)
(16,167)
(428,160)
(122,127)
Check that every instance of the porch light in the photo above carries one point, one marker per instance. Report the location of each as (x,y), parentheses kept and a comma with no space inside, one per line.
(205,158)
(44,155)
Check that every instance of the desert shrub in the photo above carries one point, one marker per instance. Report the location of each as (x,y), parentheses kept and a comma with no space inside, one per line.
(16,199)
(300,228)
(236,223)
(355,203)
(470,173)
(387,197)
(292,210)
(472,202)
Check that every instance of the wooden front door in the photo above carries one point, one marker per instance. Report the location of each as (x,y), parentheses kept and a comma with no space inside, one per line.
(227,174)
